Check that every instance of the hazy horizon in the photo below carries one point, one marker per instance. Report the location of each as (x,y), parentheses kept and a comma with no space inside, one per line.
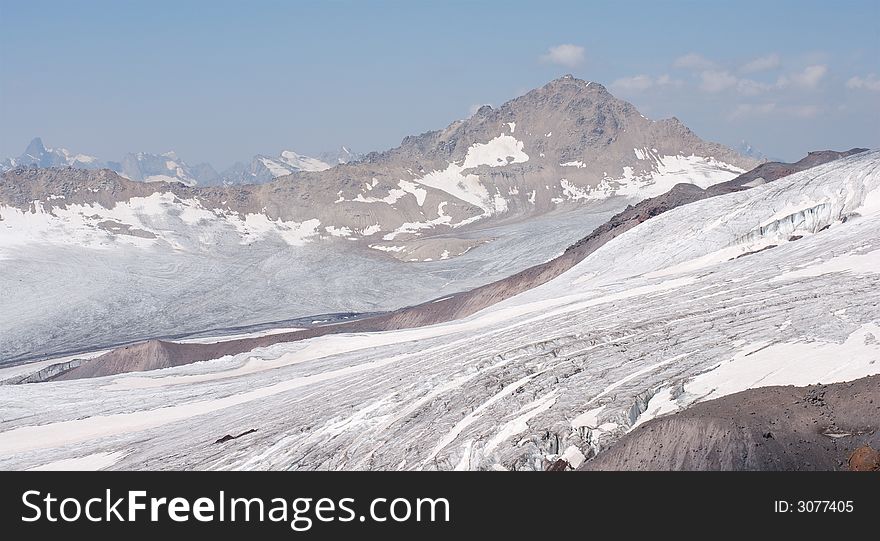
(219,82)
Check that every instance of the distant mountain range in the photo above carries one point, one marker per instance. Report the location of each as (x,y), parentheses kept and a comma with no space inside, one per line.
(37,154)
(168,167)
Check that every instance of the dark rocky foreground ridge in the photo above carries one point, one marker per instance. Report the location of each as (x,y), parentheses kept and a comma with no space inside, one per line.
(820,427)
(156,354)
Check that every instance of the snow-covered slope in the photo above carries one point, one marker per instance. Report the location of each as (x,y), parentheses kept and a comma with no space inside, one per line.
(771,285)
(302,163)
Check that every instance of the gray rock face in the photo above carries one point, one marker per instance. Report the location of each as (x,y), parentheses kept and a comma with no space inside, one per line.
(567,120)
(771,428)
(205,174)
(254,172)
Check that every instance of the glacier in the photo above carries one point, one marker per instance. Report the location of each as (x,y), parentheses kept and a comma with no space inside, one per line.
(777,284)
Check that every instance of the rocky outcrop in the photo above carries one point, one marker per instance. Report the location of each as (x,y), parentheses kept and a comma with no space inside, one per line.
(230,437)
(865,458)
(822,427)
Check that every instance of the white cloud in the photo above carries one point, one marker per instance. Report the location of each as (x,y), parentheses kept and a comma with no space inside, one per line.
(748,87)
(771,108)
(716,81)
(748,109)
(565,55)
(871,82)
(666,80)
(808,78)
(803,111)
(638,83)
(634,84)
(721,80)
(693,61)
(762,63)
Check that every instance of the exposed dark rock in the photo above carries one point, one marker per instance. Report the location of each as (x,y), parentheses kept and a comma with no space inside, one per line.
(732,432)
(560,465)
(756,251)
(227,437)
(865,458)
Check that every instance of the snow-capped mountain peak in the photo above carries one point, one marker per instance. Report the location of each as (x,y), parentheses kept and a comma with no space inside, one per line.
(746,149)
(262,168)
(303,163)
(166,167)
(341,155)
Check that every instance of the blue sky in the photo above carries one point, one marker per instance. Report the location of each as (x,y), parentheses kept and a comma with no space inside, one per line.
(220,81)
